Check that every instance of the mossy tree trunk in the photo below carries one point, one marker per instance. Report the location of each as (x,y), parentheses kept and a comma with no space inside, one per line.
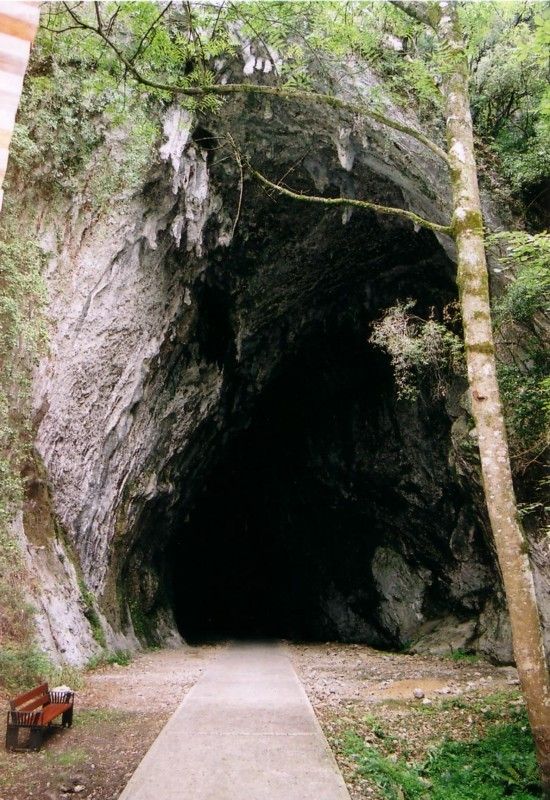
(487,410)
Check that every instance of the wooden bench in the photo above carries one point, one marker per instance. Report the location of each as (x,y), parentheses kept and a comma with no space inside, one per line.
(35,711)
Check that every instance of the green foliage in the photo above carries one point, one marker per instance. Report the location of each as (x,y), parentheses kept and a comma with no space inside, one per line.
(419,349)
(464,657)
(526,399)
(121,657)
(164,46)
(68,758)
(174,45)
(508,50)
(507,46)
(80,128)
(119,171)
(22,338)
(59,124)
(524,383)
(310,39)
(23,667)
(169,44)
(501,764)
(394,777)
(91,614)
(500,706)
(528,258)
(375,726)
(143,625)
(15,611)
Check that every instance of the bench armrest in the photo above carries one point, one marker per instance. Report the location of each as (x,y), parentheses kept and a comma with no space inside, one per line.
(61,697)
(24,717)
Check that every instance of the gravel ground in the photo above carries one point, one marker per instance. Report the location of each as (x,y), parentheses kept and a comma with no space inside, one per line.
(410,702)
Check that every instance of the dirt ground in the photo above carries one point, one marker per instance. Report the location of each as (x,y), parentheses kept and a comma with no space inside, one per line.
(120,711)
(117,716)
(412,702)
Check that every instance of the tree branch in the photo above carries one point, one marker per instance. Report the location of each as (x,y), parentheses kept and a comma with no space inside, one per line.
(239,161)
(271,91)
(348,201)
(98,17)
(148,31)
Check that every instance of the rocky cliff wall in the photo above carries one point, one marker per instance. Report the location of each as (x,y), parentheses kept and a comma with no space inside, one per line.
(211,414)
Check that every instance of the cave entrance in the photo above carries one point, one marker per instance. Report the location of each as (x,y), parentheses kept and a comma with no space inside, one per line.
(273,533)
(330,492)
(310,503)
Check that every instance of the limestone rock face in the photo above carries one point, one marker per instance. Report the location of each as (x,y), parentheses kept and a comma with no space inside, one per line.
(401,589)
(61,624)
(442,637)
(211,415)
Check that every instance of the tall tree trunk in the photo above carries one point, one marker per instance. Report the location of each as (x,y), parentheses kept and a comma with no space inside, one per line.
(487,411)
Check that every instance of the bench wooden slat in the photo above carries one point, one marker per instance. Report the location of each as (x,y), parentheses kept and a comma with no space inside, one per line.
(23,699)
(25,718)
(30,705)
(53,710)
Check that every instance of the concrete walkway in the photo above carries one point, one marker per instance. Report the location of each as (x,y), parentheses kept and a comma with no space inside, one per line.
(245,731)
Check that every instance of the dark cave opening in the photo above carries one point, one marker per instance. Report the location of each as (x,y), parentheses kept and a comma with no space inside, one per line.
(308,503)
(329,470)
(262,538)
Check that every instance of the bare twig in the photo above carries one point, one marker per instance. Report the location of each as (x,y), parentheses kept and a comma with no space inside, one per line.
(239,161)
(112,21)
(98,17)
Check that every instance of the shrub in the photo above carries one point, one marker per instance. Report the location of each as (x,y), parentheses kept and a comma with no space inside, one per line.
(22,667)
(419,349)
(501,764)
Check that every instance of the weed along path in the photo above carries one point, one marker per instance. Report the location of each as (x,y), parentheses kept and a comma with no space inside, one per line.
(245,730)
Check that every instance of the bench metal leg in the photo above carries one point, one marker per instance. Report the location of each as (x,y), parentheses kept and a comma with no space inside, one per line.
(67,718)
(35,739)
(12,737)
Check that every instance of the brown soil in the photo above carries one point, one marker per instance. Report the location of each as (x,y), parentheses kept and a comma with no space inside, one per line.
(120,711)
(118,714)
(354,688)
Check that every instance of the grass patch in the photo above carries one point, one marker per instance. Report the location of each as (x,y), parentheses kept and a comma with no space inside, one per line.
(23,667)
(69,758)
(499,765)
(503,706)
(96,716)
(120,657)
(464,657)
(393,776)
(374,724)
